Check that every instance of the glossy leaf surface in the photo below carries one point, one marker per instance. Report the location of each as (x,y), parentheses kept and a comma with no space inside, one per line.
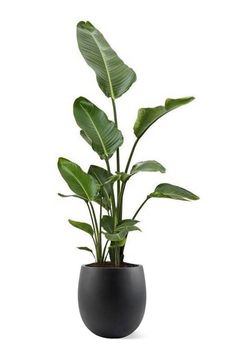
(101,133)
(113,76)
(148,116)
(82,184)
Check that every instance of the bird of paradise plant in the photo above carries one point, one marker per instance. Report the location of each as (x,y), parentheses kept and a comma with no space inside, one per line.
(107,228)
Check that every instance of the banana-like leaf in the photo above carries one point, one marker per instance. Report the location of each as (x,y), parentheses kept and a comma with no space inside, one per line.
(82,184)
(113,76)
(113,178)
(101,133)
(120,235)
(102,175)
(147,116)
(82,226)
(166,190)
(86,249)
(148,165)
(107,224)
(85,137)
(121,230)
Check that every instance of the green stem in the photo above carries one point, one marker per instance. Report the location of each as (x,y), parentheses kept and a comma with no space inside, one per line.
(104,250)
(117,256)
(131,155)
(117,153)
(90,212)
(141,207)
(93,225)
(112,197)
(120,200)
(100,234)
(97,232)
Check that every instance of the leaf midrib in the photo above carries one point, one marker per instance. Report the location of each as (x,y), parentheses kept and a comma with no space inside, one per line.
(77,179)
(106,67)
(100,138)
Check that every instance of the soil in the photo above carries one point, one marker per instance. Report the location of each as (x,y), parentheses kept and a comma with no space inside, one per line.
(109,264)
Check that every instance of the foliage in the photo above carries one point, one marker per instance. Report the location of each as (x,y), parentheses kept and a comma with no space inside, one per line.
(107,229)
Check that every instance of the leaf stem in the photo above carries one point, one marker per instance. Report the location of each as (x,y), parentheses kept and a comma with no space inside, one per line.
(112,197)
(104,250)
(100,234)
(93,225)
(140,207)
(120,201)
(117,152)
(120,205)
(131,154)
(92,220)
(97,233)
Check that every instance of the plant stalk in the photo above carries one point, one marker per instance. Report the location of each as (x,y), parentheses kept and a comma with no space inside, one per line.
(120,202)
(117,152)
(114,214)
(99,251)
(100,234)
(95,234)
(143,203)
(131,155)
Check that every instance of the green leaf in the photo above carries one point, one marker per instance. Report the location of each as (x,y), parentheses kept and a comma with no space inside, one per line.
(86,249)
(166,190)
(148,165)
(117,236)
(85,137)
(102,175)
(127,228)
(121,230)
(113,76)
(127,223)
(148,116)
(68,195)
(82,184)
(83,226)
(101,133)
(107,224)
(120,235)
(113,178)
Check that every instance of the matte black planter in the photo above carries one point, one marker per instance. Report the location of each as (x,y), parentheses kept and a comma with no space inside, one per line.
(112,300)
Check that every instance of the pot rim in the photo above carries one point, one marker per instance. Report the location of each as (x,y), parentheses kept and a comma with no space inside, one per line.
(134,266)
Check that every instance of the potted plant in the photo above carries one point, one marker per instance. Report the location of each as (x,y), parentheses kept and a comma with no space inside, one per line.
(111,293)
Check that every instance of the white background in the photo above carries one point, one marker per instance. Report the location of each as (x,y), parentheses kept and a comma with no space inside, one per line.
(177,48)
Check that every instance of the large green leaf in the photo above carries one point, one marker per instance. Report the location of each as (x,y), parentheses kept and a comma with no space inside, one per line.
(147,116)
(82,184)
(82,226)
(148,165)
(102,175)
(113,76)
(98,130)
(166,190)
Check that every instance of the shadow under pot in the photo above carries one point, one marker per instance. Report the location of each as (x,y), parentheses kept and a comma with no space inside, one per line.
(112,299)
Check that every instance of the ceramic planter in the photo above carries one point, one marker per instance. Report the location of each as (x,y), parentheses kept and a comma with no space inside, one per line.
(112,299)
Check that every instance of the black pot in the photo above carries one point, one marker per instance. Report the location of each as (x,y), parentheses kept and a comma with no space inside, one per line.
(112,299)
